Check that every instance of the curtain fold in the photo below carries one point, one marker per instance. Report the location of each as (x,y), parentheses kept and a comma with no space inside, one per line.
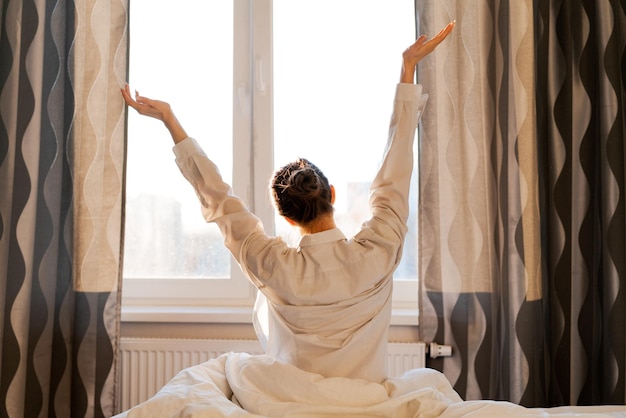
(58,345)
(581,70)
(98,57)
(521,199)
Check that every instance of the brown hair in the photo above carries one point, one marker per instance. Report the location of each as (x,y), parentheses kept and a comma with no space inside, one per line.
(301,192)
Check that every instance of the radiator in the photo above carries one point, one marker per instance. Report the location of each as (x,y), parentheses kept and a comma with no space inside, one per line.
(146,364)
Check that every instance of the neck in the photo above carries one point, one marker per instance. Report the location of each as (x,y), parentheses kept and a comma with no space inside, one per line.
(322,224)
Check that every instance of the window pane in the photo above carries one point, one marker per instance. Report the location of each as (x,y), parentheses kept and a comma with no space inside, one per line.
(336,64)
(181,53)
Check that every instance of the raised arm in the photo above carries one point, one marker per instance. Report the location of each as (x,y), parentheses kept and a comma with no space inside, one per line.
(422,47)
(155,109)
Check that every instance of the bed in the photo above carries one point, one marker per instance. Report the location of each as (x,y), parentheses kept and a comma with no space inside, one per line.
(242,385)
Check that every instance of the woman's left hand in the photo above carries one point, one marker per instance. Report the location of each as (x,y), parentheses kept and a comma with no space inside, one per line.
(147,107)
(155,109)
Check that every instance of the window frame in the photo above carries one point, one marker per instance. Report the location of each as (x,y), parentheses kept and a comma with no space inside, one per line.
(231,300)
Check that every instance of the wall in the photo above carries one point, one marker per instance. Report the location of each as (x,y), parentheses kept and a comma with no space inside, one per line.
(397,333)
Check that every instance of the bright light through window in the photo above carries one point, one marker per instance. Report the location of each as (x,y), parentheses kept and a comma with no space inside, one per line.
(336,64)
(182,55)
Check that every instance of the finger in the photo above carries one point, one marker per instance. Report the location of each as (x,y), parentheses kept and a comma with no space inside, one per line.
(420,40)
(126,95)
(438,38)
(417,45)
(140,99)
(443,33)
(448,27)
(127,91)
(144,100)
(129,100)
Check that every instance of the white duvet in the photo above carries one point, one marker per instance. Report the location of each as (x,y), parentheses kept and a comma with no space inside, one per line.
(243,385)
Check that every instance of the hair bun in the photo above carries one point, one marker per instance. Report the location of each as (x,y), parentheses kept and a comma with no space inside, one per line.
(304,183)
(301,191)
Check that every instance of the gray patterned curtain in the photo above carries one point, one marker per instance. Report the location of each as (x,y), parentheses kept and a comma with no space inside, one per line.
(61,172)
(480,257)
(522,210)
(581,102)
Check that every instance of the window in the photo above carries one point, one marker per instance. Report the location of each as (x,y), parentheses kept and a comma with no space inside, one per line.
(186,56)
(258,83)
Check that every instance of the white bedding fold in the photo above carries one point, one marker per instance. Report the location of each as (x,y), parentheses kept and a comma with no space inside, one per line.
(269,388)
(242,385)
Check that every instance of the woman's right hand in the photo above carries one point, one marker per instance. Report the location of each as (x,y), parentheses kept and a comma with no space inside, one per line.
(420,48)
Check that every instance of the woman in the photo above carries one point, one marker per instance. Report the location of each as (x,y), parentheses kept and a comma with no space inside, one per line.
(329,298)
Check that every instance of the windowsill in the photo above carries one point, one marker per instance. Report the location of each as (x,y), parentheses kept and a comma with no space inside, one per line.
(188,314)
(225,315)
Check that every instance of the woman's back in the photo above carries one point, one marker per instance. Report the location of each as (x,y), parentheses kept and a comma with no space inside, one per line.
(329,299)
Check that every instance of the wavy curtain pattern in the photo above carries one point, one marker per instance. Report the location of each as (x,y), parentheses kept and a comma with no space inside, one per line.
(581,98)
(522,224)
(61,171)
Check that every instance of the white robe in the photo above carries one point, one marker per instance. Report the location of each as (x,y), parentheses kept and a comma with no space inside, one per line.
(329,298)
